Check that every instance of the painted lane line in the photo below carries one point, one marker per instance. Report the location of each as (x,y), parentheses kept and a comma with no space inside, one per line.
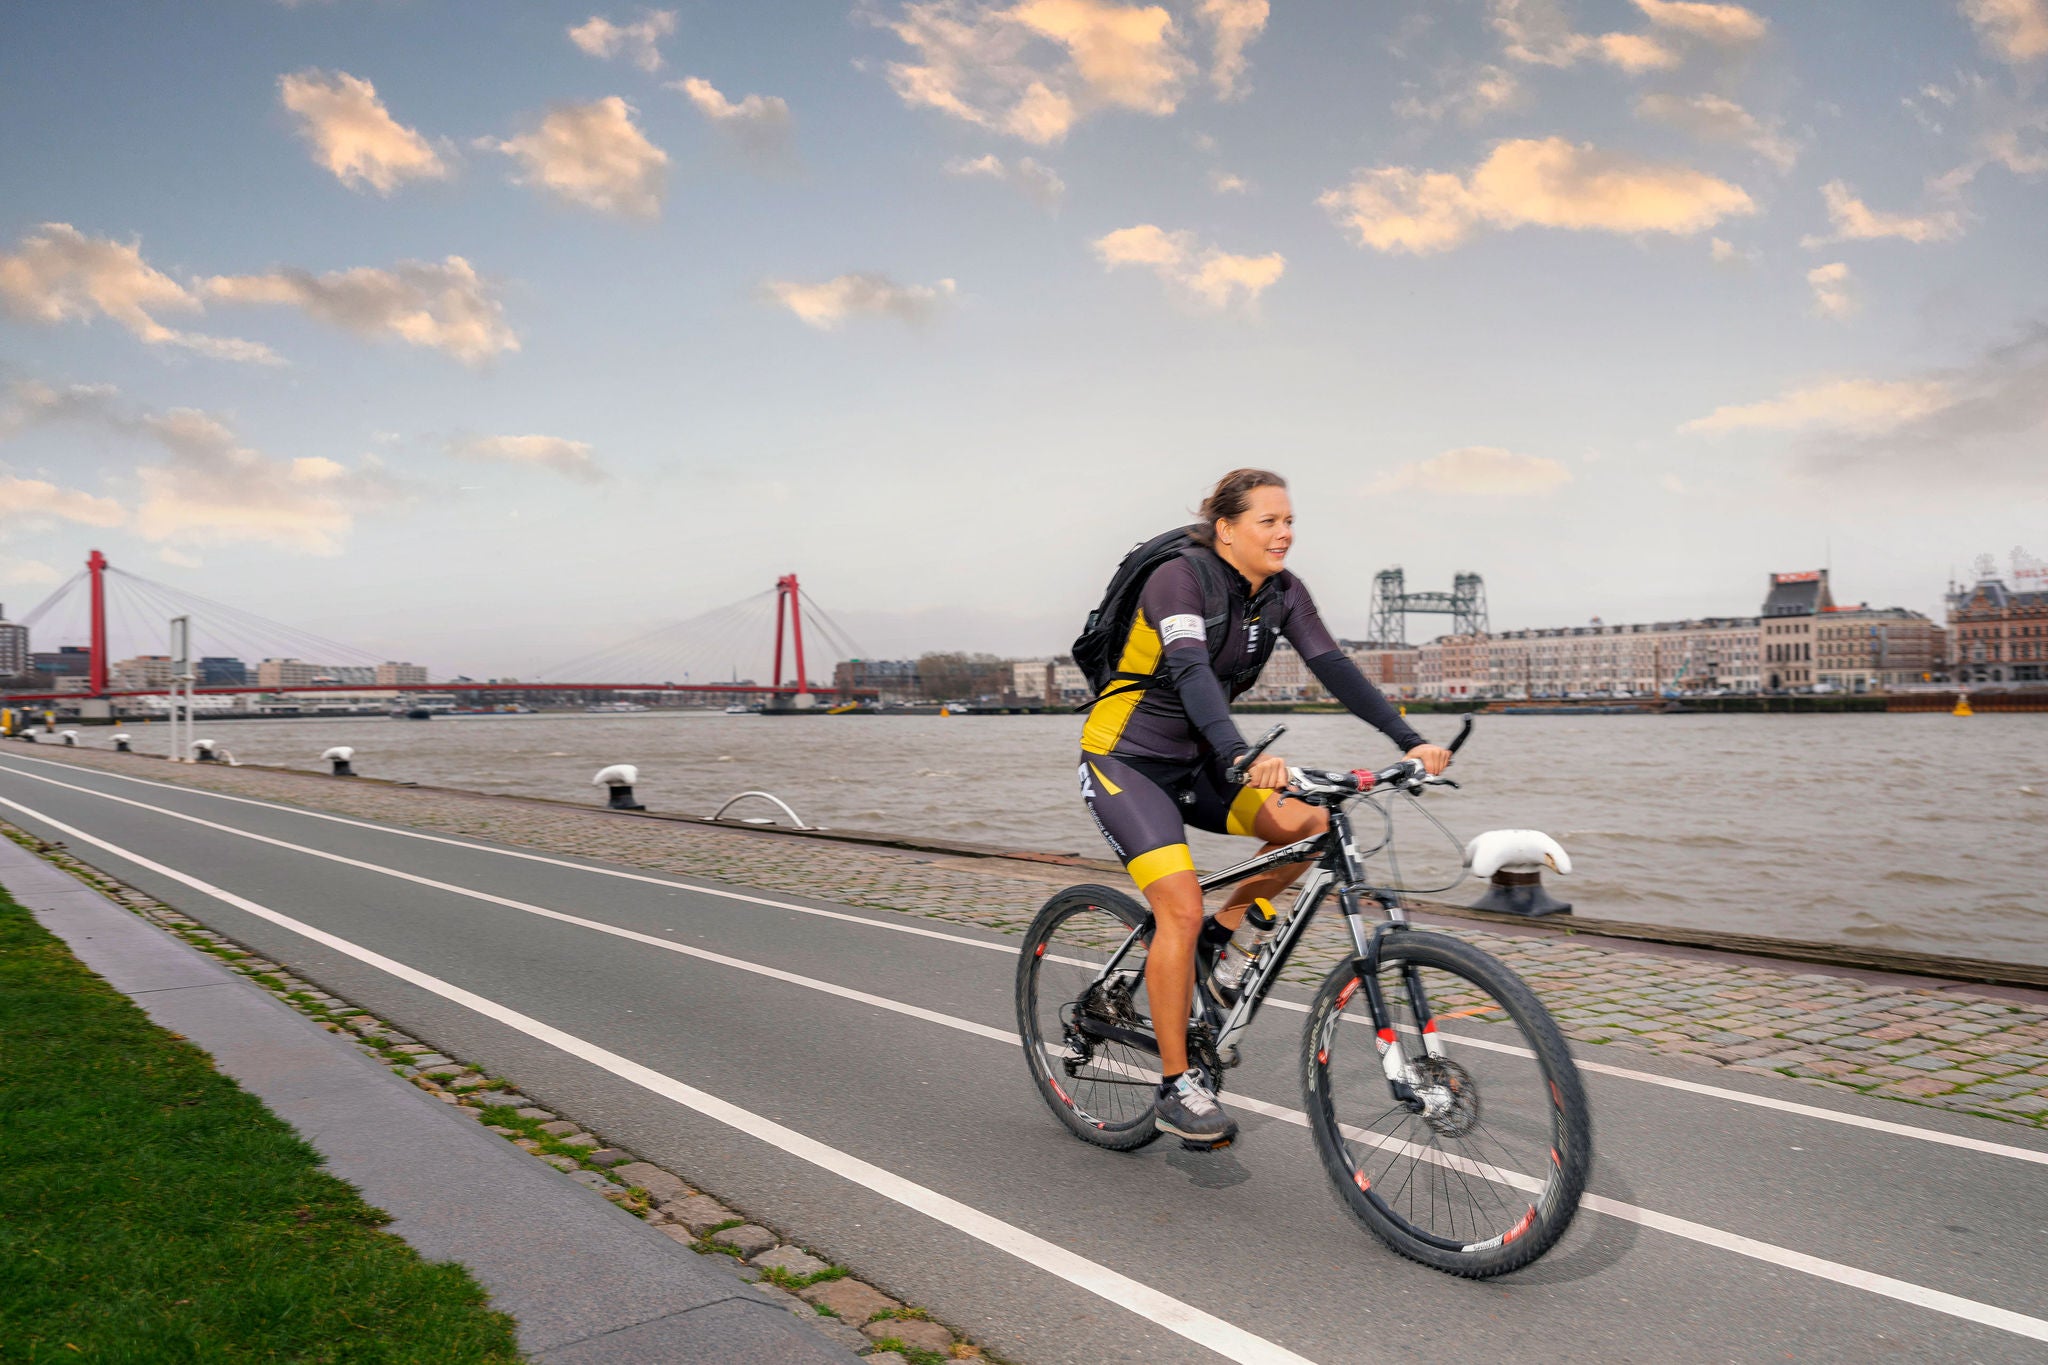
(522,856)
(599,926)
(1224,1338)
(1972,1144)
(1851,1276)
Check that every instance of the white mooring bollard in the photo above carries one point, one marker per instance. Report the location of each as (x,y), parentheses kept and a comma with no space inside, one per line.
(202,751)
(1513,861)
(70,738)
(339,756)
(620,777)
(120,738)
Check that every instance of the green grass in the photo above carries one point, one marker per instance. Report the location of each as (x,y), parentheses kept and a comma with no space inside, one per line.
(151,1210)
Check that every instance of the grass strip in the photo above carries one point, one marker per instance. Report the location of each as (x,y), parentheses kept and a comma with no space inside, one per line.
(150,1209)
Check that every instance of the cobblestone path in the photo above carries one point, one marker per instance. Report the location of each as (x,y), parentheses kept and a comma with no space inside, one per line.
(1949,1048)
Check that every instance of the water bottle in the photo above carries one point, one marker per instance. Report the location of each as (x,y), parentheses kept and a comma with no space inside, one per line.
(1245,944)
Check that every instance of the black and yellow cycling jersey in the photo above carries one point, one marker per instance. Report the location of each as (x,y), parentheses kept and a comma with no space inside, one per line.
(1154,752)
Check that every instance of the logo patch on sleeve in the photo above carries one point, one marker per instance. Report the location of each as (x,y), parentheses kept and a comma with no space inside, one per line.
(1181,628)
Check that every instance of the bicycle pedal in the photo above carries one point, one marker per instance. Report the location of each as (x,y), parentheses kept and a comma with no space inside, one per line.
(1217,1146)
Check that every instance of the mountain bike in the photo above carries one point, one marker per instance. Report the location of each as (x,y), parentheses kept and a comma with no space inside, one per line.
(1444,1103)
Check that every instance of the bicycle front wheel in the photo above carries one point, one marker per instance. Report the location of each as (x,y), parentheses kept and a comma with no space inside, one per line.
(1481,1174)
(1084,1021)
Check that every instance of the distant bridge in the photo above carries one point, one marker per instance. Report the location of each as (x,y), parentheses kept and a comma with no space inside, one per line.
(116,596)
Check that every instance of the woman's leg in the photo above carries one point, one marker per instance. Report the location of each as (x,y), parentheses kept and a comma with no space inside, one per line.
(1278,824)
(1176,901)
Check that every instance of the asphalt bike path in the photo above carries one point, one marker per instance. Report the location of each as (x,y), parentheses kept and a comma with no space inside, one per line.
(933,1091)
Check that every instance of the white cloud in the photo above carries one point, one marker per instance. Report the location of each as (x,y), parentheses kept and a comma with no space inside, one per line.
(1226,182)
(1724,252)
(446,306)
(1233,26)
(214,490)
(1475,471)
(1831,296)
(593,155)
(827,304)
(1465,95)
(758,123)
(1855,221)
(1206,275)
(638,42)
(211,489)
(57,274)
(571,459)
(179,559)
(1035,68)
(1040,184)
(352,134)
(2014,30)
(1712,118)
(1721,25)
(1537,33)
(1528,183)
(28,573)
(34,500)
(1862,405)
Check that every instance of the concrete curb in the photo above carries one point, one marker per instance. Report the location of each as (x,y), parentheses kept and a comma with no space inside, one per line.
(585,1280)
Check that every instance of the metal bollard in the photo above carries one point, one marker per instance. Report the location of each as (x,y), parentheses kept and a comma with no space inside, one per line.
(339,756)
(202,751)
(1512,860)
(620,777)
(120,738)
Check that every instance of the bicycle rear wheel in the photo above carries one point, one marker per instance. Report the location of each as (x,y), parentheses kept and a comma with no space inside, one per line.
(1487,1176)
(1075,1018)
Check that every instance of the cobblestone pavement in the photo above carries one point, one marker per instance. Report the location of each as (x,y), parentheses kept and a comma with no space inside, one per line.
(1950,1048)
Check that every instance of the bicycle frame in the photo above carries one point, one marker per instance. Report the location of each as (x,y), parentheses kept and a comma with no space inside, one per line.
(1338,864)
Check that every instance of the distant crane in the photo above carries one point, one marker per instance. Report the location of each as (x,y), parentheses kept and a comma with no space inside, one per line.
(1465,603)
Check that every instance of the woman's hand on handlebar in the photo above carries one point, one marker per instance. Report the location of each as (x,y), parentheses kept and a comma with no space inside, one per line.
(1434,758)
(1266,771)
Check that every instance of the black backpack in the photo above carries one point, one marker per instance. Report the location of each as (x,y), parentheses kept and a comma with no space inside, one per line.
(1109,625)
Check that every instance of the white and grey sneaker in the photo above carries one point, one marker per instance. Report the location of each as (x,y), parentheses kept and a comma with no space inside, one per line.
(1187,1108)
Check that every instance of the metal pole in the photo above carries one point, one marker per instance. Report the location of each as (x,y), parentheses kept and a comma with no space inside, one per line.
(181,678)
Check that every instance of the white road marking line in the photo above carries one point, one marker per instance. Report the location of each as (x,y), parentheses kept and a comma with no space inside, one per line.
(1224,1338)
(1933,1135)
(1937,1300)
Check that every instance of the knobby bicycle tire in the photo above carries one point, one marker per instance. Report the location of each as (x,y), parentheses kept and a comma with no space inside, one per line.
(1047,971)
(1326,1049)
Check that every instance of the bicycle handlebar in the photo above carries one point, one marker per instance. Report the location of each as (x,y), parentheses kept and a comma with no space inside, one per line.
(1243,762)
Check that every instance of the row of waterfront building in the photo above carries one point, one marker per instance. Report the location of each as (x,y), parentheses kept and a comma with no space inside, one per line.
(69,669)
(1801,640)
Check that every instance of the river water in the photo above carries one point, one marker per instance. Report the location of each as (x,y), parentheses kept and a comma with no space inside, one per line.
(1904,831)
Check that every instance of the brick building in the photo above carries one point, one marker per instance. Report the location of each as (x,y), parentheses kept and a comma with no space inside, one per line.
(1997,635)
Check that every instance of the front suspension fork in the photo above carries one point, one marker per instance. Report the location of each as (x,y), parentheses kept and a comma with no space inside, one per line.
(1395,1062)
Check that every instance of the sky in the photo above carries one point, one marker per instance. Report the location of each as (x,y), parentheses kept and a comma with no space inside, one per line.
(487,336)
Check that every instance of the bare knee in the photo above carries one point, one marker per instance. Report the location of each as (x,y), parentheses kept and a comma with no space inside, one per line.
(1176,902)
(1292,821)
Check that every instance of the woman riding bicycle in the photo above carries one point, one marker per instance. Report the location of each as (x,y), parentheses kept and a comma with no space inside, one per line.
(1163,752)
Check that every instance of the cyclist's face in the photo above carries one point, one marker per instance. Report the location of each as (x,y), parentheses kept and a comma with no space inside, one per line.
(1260,538)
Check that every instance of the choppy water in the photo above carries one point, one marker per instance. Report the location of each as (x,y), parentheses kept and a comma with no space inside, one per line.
(1907,831)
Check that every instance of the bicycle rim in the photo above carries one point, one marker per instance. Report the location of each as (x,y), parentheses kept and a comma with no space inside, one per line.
(1101,1088)
(1488,1175)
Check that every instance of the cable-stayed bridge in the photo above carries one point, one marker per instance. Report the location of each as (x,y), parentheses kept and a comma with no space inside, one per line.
(118,624)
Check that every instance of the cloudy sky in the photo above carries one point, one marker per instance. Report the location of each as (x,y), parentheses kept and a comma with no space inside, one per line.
(487,335)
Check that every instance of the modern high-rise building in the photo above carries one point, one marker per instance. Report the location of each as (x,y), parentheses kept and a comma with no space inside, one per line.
(14,653)
(140,673)
(391,674)
(286,673)
(221,671)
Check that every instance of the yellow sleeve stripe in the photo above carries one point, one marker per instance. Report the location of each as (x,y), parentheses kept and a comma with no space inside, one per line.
(1148,868)
(1107,721)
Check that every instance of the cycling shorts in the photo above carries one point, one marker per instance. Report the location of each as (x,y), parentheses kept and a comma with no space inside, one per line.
(1142,806)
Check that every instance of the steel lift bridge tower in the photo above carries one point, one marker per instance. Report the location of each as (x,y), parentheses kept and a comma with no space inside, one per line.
(1465,603)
